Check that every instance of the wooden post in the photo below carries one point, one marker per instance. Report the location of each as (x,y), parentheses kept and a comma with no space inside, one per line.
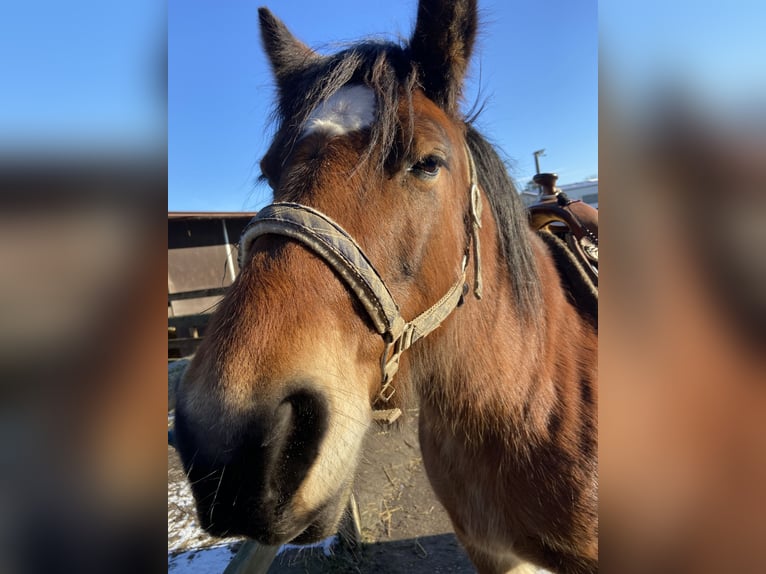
(252,558)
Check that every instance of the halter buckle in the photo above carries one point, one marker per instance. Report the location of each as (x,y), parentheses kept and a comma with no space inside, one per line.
(390,361)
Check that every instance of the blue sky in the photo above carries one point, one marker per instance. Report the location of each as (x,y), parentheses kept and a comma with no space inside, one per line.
(82,75)
(714,52)
(535,64)
(87,75)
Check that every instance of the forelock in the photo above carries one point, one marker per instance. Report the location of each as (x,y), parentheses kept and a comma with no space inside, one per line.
(384,67)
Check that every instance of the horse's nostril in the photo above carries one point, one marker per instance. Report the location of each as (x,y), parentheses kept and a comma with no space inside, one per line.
(301,423)
(283,417)
(243,485)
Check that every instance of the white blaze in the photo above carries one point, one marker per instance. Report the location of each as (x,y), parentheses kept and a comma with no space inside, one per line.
(349,109)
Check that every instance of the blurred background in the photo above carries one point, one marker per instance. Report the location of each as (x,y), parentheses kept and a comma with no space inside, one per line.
(83,179)
(682,118)
(83,184)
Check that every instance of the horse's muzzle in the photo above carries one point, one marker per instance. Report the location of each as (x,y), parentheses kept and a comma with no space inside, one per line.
(246,484)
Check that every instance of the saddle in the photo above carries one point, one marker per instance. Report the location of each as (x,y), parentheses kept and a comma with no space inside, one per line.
(570,230)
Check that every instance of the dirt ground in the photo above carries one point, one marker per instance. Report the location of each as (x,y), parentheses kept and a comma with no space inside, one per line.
(404,528)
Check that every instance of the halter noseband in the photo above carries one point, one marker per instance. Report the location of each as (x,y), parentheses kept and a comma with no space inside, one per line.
(338,249)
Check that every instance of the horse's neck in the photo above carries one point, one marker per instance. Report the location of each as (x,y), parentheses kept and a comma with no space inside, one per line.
(492,369)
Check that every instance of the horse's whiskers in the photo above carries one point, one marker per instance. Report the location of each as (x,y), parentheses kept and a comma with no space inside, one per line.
(215,497)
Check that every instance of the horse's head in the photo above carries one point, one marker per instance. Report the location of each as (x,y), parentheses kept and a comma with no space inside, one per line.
(272,412)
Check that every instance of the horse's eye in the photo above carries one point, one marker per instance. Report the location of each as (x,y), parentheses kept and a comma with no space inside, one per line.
(265,179)
(427,167)
(266,172)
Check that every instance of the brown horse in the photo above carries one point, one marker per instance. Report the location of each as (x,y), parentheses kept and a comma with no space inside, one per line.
(376,240)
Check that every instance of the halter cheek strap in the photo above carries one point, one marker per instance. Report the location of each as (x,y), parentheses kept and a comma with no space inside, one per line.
(337,248)
(475,211)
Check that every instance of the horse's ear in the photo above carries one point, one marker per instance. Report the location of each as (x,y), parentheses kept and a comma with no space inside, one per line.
(441,45)
(286,53)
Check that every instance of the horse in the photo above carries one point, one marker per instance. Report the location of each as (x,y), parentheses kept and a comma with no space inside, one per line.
(378,277)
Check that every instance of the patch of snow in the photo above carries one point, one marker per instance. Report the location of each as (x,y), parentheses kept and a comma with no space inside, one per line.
(212,560)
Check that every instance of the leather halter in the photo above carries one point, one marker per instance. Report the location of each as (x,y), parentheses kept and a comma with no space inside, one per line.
(337,248)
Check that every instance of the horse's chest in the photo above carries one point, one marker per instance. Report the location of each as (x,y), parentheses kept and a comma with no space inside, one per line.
(484,486)
(471,483)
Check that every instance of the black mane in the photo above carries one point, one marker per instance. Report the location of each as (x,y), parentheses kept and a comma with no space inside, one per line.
(389,71)
(512,222)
